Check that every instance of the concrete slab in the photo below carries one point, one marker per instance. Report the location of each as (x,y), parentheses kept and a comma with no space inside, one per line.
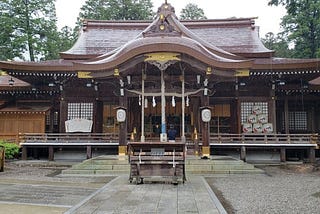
(119,196)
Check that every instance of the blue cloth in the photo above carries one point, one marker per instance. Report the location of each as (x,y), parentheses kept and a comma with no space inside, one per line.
(172,134)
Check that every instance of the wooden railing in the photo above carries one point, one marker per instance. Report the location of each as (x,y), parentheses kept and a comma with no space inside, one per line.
(265,139)
(259,139)
(69,138)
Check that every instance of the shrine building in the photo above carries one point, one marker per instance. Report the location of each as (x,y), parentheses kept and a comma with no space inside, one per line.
(213,81)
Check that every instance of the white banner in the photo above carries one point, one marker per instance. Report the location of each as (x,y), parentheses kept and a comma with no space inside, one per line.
(78,125)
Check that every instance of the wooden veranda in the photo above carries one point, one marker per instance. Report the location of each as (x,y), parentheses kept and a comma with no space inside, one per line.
(281,142)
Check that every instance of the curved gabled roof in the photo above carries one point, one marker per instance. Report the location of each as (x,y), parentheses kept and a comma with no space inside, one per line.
(235,38)
(181,45)
(228,44)
(167,34)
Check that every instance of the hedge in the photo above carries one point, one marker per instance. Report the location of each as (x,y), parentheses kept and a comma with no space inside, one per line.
(11,149)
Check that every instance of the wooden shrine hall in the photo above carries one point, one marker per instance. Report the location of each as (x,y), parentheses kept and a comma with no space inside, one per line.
(212,80)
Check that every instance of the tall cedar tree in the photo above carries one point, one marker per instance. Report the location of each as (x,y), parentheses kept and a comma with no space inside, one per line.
(117,10)
(302,26)
(192,12)
(28,29)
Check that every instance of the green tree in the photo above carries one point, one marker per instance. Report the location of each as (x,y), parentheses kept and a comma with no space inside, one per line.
(67,37)
(278,43)
(117,10)
(28,29)
(302,26)
(192,12)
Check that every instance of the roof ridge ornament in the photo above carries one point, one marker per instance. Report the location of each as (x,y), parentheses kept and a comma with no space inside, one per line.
(162,26)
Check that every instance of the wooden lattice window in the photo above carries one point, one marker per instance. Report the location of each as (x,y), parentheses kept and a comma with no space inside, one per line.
(55,118)
(298,120)
(246,109)
(48,119)
(80,110)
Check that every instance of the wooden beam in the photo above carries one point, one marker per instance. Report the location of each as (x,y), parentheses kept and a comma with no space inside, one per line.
(89,152)
(51,153)
(283,154)
(243,155)
(312,155)
(24,154)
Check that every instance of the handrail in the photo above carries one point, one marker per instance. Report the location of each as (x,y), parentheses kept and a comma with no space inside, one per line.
(222,138)
(263,138)
(68,137)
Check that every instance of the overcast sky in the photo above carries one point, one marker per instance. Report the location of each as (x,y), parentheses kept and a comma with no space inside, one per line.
(268,18)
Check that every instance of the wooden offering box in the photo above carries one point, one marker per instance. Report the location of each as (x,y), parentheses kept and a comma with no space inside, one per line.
(157,159)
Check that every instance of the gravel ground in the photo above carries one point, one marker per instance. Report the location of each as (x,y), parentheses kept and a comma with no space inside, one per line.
(283,189)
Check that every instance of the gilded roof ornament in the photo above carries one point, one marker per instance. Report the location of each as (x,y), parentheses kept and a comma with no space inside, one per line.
(162,25)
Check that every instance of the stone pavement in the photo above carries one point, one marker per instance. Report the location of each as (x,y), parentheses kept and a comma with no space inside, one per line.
(37,190)
(121,197)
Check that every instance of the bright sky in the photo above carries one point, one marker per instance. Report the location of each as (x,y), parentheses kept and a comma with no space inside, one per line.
(269,18)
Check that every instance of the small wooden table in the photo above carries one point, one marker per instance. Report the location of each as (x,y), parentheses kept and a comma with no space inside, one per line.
(151,159)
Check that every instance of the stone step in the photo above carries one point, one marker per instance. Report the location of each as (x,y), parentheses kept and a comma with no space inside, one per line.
(104,165)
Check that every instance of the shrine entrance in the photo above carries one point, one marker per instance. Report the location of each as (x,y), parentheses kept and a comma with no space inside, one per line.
(161,97)
(152,118)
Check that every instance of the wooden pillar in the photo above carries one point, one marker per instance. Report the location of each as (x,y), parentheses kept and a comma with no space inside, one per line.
(205,131)
(63,115)
(89,152)
(123,128)
(272,106)
(286,115)
(24,155)
(243,153)
(51,153)
(312,155)
(195,121)
(283,154)
(2,158)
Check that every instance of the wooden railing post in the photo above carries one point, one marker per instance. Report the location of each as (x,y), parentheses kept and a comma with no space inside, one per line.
(312,155)
(243,155)
(51,153)
(283,154)
(89,152)
(24,155)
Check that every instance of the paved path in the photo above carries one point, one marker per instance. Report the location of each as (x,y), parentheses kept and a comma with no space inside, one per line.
(118,196)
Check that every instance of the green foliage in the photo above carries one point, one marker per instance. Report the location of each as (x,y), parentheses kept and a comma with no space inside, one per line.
(28,28)
(192,12)
(278,43)
(301,26)
(11,149)
(117,10)
(67,37)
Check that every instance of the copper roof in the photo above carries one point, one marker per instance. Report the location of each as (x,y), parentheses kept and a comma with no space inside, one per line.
(25,109)
(285,63)
(5,79)
(225,43)
(49,65)
(315,81)
(237,36)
